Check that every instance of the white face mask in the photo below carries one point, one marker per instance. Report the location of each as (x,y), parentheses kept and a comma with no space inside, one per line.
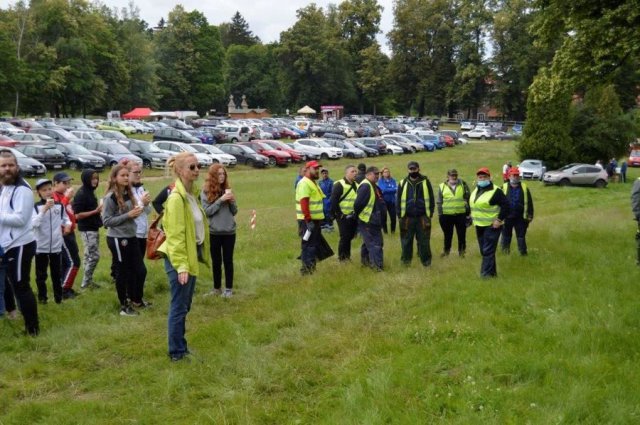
(514,180)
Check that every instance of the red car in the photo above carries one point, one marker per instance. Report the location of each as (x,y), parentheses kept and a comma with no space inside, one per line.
(286,133)
(448,140)
(281,146)
(634,158)
(275,156)
(7,142)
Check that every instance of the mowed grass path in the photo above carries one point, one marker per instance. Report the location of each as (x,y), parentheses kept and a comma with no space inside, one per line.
(554,339)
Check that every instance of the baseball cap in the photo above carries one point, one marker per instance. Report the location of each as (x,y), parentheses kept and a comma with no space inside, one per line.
(483,170)
(413,164)
(373,169)
(452,172)
(61,177)
(514,171)
(313,164)
(41,182)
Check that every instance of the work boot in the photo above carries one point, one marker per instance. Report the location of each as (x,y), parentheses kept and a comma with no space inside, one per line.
(522,246)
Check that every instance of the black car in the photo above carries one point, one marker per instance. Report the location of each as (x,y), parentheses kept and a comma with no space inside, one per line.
(174,135)
(245,155)
(374,143)
(78,158)
(59,135)
(48,155)
(151,155)
(369,151)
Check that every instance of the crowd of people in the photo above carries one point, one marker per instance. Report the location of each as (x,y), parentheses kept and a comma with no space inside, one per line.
(369,202)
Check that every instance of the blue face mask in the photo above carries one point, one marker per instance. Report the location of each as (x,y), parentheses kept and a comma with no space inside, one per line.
(483,183)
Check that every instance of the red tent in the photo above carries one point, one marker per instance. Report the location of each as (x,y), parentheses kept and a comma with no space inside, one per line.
(138,113)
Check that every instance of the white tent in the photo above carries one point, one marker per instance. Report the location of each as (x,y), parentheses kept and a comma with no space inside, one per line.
(306,110)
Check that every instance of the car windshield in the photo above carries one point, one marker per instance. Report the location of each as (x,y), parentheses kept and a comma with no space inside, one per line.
(246,149)
(566,167)
(187,148)
(117,148)
(634,153)
(52,151)
(323,144)
(18,154)
(263,146)
(148,147)
(215,150)
(114,135)
(77,149)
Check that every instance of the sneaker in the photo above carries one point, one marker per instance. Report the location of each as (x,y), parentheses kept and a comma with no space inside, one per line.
(12,315)
(444,254)
(128,311)
(228,293)
(142,304)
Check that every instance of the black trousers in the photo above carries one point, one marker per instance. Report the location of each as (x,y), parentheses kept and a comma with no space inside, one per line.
(221,248)
(348,228)
(52,262)
(142,271)
(309,247)
(19,261)
(391,213)
(450,222)
(488,242)
(520,225)
(70,260)
(126,262)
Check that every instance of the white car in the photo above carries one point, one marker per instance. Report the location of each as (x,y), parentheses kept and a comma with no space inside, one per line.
(348,131)
(9,129)
(532,169)
(317,147)
(414,146)
(466,125)
(204,160)
(236,133)
(483,134)
(421,132)
(217,156)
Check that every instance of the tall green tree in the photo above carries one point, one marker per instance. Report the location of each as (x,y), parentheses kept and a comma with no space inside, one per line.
(373,76)
(191,59)
(237,32)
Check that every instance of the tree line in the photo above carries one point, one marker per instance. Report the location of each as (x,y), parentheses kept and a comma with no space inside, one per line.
(535,59)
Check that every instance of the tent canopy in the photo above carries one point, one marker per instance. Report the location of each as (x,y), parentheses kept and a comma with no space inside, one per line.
(138,113)
(306,110)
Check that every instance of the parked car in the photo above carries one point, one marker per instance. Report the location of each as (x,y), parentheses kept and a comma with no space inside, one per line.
(218,135)
(348,150)
(175,123)
(634,158)
(245,155)
(284,147)
(276,157)
(9,129)
(427,146)
(204,160)
(317,147)
(48,155)
(25,125)
(28,166)
(367,150)
(202,136)
(236,133)
(112,152)
(481,133)
(453,134)
(174,135)
(532,169)
(517,129)
(78,157)
(408,146)
(112,135)
(217,156)
(117,126)
(151,155)
(70,124)
(433,139)
(466,125)
(58,134)
(577,174)
(90,135)
(26,138)
(403,146)
(382,146)
(9,142)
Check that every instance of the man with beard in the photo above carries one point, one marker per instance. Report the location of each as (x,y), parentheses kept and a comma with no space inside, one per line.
(310,214)
(17,240)
(343,195)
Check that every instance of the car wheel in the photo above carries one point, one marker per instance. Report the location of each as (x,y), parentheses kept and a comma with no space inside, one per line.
(272,161)
(564,182)
(215,161)
(324,156)
(113,163)
(146,163)
(249,163)
(234,140)
(483,138)
(74,165)
(600,184)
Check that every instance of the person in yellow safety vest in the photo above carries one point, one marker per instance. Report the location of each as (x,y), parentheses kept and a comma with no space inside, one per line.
(369,208)
(635,208)
(343,196)
(415,205)
(454,211)
(520,212)
(310,214)
(489,207)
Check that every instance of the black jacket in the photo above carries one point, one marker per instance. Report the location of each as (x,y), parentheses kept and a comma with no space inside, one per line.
(378,215)
(85,200)
(415,197)
(336,194)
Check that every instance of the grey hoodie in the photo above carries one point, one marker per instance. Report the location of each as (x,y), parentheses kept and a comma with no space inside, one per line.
(118,223)
(220,215)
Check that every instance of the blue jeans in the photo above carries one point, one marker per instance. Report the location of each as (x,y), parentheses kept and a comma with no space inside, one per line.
(181,297)
(371,250)
(488,242)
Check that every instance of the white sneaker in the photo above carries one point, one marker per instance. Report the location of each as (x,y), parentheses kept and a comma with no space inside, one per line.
(227,293)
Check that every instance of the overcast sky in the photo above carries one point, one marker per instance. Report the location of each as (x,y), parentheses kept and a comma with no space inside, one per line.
(266,18)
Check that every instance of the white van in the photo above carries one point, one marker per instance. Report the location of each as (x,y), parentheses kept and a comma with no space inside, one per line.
(236,133)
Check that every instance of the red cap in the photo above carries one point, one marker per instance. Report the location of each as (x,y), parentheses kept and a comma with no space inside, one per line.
(483,170)
(514,171)
(314,164)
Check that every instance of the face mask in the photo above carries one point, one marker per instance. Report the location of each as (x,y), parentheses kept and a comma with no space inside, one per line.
(414,174)
(514,181)
(483,183)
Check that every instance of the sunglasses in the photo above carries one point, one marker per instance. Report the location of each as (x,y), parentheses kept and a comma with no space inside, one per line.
(193,167)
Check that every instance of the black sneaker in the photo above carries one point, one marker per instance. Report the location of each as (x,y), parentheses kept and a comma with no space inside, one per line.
(42,300)
(68,294)
(128,311)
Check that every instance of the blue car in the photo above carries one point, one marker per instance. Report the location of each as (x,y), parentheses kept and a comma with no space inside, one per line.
(206,138)
(433,140)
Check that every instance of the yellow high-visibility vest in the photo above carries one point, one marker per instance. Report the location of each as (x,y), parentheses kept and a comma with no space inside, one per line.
(483,213)
(525,191)
(348,196)
(453,202)
(403,197)
(365,214)
(308,188)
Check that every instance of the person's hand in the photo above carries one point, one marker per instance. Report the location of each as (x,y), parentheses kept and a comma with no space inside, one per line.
(146,198)
(311,226)
(66,230)
(228,197)
(529,219)
(496,224)
(99,209)
(135,212)
(69,193)
(183,278)
(48,205)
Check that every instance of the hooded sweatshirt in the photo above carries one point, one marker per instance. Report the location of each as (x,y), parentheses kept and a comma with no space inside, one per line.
(85,200)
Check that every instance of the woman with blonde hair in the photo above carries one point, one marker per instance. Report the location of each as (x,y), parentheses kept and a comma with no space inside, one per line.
(119,211)
(219,205)
(187,241)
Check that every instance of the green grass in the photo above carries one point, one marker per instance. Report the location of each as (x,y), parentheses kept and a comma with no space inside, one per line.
(552,340)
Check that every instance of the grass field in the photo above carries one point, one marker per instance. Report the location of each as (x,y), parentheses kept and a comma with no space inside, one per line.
(554,339)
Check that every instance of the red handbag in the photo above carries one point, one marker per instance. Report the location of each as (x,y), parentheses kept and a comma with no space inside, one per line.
(155,238)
